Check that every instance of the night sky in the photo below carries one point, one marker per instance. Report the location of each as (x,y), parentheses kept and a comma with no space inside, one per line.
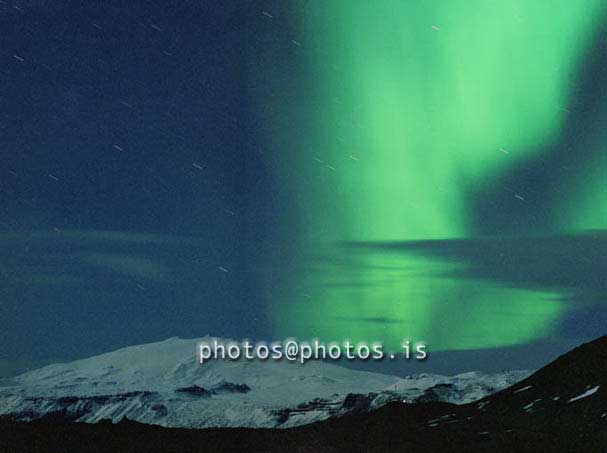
(312,169)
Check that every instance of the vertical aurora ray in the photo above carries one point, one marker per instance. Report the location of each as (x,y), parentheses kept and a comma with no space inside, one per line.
(412,104)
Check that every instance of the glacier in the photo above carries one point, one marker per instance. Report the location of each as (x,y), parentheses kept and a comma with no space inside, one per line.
(163,383)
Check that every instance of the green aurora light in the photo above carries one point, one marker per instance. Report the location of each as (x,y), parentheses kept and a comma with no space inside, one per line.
(413,103)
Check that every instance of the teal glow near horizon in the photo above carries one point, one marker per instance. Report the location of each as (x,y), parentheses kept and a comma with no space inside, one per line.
(413,103)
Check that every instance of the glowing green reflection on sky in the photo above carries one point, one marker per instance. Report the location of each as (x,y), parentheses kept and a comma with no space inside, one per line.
(413,103)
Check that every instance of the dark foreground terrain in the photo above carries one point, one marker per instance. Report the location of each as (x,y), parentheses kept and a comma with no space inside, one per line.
(561,408)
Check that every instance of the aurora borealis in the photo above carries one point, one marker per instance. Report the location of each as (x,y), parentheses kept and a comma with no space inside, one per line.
(415,109)
(373,171)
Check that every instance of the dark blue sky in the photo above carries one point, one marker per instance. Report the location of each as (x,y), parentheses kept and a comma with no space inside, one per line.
(108,110)
(129,117)
(137,200)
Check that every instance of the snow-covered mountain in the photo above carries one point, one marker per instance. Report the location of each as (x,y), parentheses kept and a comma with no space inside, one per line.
(163,383)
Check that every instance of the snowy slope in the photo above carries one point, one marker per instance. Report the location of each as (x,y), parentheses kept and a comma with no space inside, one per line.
(163,383)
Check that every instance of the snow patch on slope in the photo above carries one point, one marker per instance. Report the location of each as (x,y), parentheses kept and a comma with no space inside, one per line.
(586,394)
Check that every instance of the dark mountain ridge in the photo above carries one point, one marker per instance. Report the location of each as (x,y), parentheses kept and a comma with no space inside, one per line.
(560,408)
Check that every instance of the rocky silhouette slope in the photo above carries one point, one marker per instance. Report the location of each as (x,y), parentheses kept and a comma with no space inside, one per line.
(561,408)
